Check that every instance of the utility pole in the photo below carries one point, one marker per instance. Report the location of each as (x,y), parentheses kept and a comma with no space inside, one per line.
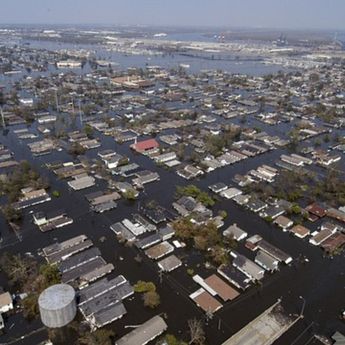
(56,100)
(209,316)
(2,118)
(72,105)
(219,323)
(80,115)
(303,306)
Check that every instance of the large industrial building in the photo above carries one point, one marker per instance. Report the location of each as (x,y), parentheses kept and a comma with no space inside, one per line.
(57,305)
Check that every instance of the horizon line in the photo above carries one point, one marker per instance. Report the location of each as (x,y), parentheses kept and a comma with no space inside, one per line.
(182,26)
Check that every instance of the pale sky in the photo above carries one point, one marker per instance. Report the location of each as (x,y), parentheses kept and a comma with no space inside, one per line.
(298,14)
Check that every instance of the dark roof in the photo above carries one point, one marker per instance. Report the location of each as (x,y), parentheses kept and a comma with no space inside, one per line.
(235,276)
(109,298)
(273,251)
(187,202)
(274,211)
(93,195)
(166,231)
(105,206)
(156,215)
(85,268)
(255,204)
(109,314)
(30,202)
(217,186)
(79,259)
(121,230)
(67,252)
(99,287)
(148,241)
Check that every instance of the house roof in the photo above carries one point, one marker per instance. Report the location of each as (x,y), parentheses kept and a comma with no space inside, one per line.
(266,260)
(225,291)
(146,145)
(300,230)
(283,221)
(248,267)
(159,250)
(316,210)
(337,240)
(5,299)
(170,263)
(274,251)
(339,338)
(337,214)
(205,301)
(321,236)
(144,333)
(235,231)
(234,275)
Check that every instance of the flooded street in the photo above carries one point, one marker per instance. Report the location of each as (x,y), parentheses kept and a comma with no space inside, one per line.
(319,280)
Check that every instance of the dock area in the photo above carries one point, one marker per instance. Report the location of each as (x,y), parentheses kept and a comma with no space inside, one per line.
(265,329)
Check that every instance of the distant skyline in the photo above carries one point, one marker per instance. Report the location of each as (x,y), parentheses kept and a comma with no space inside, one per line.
(288,14)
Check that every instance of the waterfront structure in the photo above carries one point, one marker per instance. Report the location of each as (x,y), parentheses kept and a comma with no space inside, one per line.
(265,329)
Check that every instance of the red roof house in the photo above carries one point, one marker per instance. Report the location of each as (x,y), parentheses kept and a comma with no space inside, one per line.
(316,210)
(145,145)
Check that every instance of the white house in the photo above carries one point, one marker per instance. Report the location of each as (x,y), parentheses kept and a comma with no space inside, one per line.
(6,303)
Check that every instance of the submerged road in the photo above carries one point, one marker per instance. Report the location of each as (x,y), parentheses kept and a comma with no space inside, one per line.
(321,281)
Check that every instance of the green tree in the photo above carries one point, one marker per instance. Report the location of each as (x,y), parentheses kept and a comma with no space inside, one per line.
(2,98)
(100,337)
(30,304)
(129,194)
(151,299)
(296,209)
(190,271)
(11,214)
(170,339)
(143,286)
(18,269)
(195,192)
(51,274)
(76,149)
(88,130)
(56,194)
(223,214)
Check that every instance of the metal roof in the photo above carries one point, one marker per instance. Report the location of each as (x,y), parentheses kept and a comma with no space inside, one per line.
(144,333)
(56,297)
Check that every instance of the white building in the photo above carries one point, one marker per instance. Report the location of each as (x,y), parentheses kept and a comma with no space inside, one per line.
(68,64)
(6,303)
